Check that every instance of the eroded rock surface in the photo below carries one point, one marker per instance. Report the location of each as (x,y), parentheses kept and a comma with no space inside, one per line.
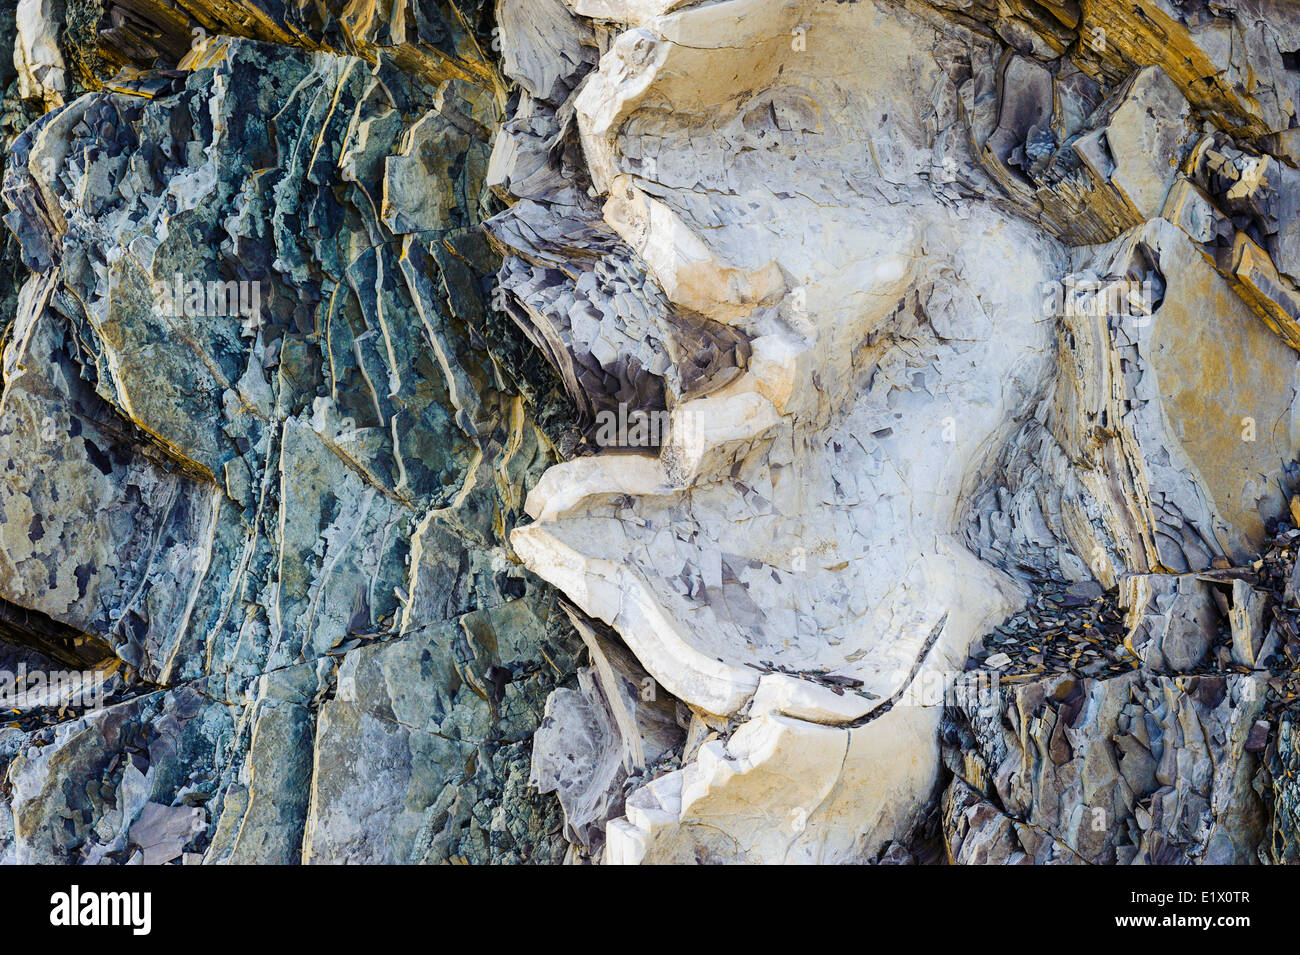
(649,431)
(254,443)
(976,299)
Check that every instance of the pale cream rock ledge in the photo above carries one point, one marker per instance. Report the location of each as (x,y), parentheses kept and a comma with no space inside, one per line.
(803,515)
(778,168)
(41,71)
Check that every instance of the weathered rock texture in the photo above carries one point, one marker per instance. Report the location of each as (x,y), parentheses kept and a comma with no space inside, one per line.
(774,429)
(856,214)
(283,508)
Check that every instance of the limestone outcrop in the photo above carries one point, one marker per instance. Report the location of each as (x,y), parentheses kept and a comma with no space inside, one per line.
(646,431)
(975,301)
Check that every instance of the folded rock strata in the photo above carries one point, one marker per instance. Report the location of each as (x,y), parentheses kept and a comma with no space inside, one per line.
(626,430)
(900,407)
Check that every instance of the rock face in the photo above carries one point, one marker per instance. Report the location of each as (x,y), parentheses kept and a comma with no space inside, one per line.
(1135,769)
(255,448)
(974,297)
(651,431)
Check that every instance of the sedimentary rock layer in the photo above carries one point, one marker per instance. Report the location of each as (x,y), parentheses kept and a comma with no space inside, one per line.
(650,431)
(255,446)
(975,300)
